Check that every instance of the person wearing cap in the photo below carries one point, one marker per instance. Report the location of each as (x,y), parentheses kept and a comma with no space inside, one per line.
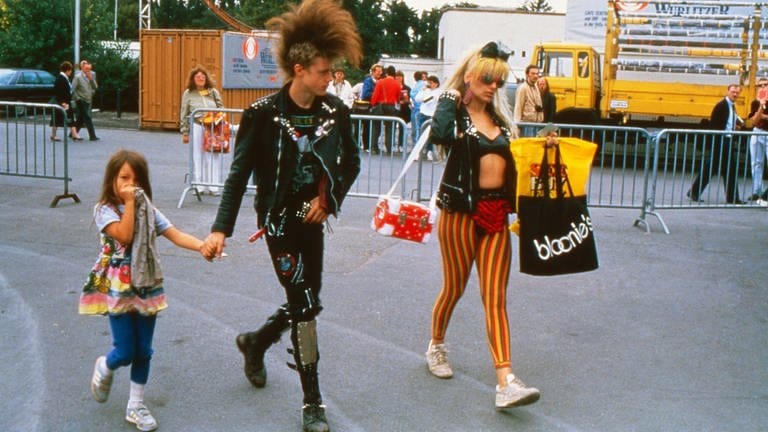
(341,88)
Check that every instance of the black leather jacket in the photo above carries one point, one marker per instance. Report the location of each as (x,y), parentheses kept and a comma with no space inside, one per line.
(265,146)
(451,126)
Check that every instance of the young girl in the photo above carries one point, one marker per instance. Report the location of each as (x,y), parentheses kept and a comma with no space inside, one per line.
(130,293)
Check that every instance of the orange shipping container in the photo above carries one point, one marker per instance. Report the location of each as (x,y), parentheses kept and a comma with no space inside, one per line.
(167,56)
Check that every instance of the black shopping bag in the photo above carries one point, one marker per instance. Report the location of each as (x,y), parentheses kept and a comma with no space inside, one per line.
(556,233)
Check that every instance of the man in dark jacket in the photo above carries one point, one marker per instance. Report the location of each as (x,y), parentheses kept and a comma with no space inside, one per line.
(721,159)
(298,143)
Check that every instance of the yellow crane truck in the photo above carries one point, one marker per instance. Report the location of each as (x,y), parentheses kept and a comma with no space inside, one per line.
(665,63)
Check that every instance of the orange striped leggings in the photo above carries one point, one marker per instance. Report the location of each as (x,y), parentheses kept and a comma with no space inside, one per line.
(460,245)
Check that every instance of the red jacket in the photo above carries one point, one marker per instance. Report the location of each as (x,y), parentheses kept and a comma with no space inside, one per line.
(387,91)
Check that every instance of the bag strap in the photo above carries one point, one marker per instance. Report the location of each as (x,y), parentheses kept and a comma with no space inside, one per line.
(559,177)
(412,157)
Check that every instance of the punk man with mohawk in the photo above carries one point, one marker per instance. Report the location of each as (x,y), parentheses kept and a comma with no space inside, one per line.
(299,146)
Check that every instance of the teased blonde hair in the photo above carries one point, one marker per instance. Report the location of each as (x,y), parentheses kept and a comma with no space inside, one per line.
(316,28)
(477,66)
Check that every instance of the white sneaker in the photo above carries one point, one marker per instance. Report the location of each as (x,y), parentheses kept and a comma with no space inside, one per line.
(516,393)
(761,202)
(101,381)
(437,361)
(140,416)
(430,156)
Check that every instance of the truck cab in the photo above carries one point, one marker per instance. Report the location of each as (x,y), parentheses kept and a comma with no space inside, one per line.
(574,75)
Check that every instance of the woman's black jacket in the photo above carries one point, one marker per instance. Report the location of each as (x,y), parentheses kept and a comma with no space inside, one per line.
(453,128)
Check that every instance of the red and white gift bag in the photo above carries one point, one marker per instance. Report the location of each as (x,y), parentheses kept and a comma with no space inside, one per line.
(403,219)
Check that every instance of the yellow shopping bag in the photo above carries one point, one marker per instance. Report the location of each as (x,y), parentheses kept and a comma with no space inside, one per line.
(576,155)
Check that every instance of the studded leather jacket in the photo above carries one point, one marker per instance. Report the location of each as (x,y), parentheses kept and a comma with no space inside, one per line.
(266,146)
(452,127)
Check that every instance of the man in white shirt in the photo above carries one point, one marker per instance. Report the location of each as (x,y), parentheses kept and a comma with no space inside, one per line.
(341,88)
(427,99)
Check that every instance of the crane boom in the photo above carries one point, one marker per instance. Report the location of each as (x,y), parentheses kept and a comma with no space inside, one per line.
(227,18)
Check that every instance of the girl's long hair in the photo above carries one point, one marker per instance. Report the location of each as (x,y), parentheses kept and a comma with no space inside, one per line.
(109,196)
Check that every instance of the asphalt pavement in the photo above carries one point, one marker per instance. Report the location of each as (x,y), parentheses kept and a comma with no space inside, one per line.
(670,334)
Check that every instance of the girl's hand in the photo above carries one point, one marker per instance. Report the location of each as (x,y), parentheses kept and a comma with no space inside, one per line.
(185,138)
(127,192)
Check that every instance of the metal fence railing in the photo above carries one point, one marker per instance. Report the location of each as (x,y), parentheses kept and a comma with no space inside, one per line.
(28,148)
(633,168)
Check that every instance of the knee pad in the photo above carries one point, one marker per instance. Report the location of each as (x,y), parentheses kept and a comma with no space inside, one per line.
(305,343)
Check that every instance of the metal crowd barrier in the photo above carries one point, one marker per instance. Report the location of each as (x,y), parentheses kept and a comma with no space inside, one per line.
(384,145)
(636,168)
(633,168)
(26,147)
(208,170)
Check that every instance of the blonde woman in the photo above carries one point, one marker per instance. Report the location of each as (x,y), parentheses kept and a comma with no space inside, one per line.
(476,195)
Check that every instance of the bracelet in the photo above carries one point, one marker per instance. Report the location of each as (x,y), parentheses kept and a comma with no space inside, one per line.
(450,96)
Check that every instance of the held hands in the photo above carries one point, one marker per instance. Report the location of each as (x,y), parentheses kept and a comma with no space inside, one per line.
(213,246)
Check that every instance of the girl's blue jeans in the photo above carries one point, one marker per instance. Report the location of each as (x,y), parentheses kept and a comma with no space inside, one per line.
(132,339)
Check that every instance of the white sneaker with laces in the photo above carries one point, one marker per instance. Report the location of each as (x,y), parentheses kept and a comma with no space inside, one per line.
(101,381)
(139,415)
(437,361)
(515,394)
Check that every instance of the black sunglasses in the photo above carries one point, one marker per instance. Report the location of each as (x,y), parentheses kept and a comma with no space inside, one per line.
(763,85)
(487,79)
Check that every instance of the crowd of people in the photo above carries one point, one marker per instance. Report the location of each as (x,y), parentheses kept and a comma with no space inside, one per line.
(384,92)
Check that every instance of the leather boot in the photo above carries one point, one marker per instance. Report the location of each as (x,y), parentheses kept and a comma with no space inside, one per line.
(254,345)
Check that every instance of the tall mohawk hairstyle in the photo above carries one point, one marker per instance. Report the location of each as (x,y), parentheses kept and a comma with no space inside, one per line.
(316,28)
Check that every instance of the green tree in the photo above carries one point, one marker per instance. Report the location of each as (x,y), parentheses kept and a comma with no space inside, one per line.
(426,33)
(257,12)
(399,22)
(536,6)
(184,14)
(36,34)
(370,24)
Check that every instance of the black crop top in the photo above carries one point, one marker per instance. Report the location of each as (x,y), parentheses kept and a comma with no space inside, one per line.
(499,145)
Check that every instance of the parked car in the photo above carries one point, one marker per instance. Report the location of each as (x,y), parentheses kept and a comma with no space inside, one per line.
(25,85)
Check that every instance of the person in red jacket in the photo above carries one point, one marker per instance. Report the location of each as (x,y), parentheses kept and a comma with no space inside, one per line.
(386,95)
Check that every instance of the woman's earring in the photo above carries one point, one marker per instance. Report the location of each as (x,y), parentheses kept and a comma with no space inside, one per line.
(467,94)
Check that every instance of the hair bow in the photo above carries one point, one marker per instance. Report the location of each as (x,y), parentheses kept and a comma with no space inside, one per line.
(495,50)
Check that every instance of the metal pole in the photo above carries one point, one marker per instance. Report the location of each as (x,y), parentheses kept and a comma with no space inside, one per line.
(115,25)
(77,32)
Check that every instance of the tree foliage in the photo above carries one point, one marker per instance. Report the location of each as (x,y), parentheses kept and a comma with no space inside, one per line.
(39,34)
(536,6)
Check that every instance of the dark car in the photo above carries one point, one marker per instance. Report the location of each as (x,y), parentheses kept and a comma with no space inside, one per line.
(26,85)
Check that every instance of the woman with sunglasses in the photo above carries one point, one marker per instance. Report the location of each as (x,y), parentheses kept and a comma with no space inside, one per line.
(476,195)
